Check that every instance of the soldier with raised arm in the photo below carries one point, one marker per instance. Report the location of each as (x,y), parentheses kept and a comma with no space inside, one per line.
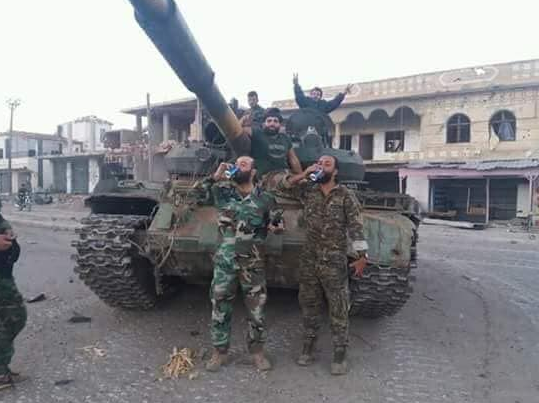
(315,101)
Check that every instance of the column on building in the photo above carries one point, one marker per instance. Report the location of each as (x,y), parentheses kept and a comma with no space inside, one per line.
(337,135)
(69,177)
(166,126)
(70,138)
(139,124)
(93,174)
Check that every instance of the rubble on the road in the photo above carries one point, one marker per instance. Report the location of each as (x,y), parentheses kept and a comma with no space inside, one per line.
(180,362)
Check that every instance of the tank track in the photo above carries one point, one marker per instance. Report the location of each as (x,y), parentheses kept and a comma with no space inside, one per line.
(109,263)
(381,291)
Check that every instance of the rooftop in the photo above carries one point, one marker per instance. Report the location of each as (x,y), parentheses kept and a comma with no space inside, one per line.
(37,136)
(478,165)
(470,79)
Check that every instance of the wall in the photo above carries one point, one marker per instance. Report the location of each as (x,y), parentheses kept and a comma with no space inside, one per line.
(94,173)
(48,174)
(523,199)
(84,129)
(427,140)
(418,187)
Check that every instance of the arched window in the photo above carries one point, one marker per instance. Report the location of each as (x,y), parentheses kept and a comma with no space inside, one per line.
(504,125)
(458,129)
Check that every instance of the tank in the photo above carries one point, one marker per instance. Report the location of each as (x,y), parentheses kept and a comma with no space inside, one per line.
(141,238)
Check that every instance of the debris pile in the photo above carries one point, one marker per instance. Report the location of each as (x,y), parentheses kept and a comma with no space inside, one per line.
(181,362)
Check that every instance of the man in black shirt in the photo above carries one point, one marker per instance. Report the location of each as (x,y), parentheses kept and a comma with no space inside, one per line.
(315,101)
(271,149)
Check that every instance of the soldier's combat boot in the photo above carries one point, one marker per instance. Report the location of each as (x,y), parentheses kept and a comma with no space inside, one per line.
(307,354)
(261,361)
(339,365)
(10,379)
(218,358)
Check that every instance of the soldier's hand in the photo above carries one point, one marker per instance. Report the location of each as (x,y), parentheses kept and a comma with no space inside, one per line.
(295,80)
(359,265)
(348,89)
(5,242)
(276,229)
(246,120)
(223,166)
(311,169)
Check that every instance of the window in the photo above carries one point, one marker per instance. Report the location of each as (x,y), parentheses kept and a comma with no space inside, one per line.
(458,129)
(1,153)
(366,149)
(31,153)
(394,141)
(345,142)
(504,125)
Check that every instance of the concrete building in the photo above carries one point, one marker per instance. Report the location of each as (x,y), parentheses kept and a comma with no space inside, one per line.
(436,136)
(464,142)
(177,120)
(88,129)
(26,165)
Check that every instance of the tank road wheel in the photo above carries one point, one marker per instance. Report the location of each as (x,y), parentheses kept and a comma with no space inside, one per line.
(382,291)
(110,264)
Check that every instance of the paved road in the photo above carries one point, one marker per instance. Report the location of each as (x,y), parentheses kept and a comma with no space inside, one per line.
(468,334)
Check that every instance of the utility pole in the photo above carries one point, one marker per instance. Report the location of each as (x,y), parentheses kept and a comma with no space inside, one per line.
(12,105)
(150,137)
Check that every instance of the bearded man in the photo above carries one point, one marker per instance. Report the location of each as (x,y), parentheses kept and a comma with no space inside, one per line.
(270,148)
(245,215)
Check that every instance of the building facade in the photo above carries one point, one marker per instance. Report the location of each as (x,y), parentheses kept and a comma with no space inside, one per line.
(88,130)
(464,142)
(26,149)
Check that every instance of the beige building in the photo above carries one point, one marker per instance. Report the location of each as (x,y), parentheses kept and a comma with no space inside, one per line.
(463,142)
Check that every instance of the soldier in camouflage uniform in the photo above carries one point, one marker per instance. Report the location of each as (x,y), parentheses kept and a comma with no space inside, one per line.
(333,216)
(12,309)
(245,213)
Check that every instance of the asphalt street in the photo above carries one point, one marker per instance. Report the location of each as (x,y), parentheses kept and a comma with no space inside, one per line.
(468,334)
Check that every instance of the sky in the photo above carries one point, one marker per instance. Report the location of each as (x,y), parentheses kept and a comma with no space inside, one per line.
(70,58)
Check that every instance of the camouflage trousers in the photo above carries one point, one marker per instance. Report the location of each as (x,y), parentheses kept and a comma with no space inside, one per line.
(12,320)
(230,271)
(327,278)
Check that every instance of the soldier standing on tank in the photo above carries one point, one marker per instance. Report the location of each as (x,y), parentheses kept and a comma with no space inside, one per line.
(332,215)
(12,309)
(245,211)
(256,113)
(271,149)
(315,101)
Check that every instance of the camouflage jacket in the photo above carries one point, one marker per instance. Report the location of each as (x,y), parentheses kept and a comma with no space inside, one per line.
(242,220)
(330,220)
(10,256)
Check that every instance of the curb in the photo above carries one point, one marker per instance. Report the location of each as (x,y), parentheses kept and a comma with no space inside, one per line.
(15,221)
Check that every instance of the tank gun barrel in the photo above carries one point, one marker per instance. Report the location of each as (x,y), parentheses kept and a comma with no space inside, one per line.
(166,27)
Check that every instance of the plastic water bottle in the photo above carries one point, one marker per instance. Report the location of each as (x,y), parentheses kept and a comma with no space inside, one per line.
(316,175)
(229,173)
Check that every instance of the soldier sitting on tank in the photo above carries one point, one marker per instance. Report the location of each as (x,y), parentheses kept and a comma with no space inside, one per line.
(245,214)
(315,101)
(271,149)
(256,114)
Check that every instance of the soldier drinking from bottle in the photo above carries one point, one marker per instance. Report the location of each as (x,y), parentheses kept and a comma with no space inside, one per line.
(332,215)
(245,215)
